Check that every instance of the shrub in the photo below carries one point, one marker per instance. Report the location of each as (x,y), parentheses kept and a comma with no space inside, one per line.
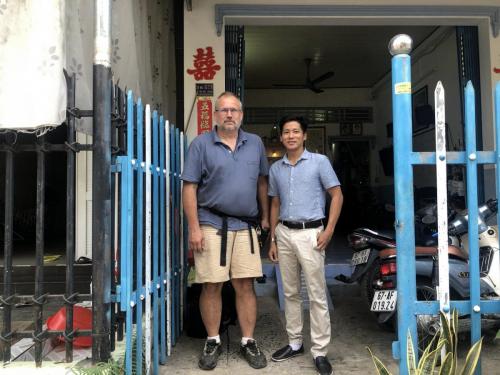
(445,340)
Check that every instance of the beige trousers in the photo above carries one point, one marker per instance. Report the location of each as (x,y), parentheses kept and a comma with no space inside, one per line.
(297,251)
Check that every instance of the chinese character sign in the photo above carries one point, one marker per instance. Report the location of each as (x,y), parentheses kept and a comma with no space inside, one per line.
(204,109)
(204,64)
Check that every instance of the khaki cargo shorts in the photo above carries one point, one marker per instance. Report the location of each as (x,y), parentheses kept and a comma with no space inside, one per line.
(240,262)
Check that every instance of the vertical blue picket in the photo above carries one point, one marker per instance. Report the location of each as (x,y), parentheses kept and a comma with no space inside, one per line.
(139,236)
(168,241)
(403,184)
(497,142)
(184,234)
(127,248)
(472,207)
(163,352)
(178,226)
(154,281)
(173,234)
(161,286)
(122,162)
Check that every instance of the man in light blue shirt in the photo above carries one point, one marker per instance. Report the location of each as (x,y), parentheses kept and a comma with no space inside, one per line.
(300,234)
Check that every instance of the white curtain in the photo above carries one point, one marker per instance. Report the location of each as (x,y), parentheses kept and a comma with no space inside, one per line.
(40,38)
(32,57)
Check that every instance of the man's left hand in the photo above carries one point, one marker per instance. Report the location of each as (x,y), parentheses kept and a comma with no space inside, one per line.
(264,224)
(324,238)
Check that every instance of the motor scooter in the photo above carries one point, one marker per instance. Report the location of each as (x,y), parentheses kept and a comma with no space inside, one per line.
(371,247)
(426,265)
(367,244)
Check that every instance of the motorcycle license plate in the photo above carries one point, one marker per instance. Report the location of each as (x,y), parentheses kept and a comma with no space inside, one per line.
(384,300)
(360,257)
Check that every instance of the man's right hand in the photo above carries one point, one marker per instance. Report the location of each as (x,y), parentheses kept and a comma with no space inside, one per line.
(196,240)
(273,252)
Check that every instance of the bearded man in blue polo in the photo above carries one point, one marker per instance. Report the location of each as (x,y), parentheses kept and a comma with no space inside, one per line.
(300,234)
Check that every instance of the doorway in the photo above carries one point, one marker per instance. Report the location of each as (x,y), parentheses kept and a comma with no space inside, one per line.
(351,161)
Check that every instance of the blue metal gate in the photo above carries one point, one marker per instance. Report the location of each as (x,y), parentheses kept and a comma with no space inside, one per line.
(408,306)
(149,233)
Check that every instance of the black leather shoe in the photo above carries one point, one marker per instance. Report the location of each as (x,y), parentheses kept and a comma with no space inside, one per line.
(323,365)
(286,352)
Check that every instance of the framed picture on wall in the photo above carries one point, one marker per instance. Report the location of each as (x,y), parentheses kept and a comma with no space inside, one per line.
(345,128)
(316,139)
(357,128)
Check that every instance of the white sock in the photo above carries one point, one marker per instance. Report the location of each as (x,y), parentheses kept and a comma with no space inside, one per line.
(216,338)
(295,346)
(244,340)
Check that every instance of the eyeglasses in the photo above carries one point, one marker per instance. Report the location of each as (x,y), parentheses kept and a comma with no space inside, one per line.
(228,110)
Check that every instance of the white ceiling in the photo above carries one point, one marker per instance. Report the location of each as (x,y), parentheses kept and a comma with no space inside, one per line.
(357,54)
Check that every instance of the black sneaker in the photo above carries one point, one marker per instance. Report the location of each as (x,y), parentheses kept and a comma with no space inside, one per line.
(253,355)
(323,365)
(210,355)
(286,352)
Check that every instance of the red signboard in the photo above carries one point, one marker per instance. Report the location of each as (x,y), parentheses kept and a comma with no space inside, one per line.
(204,64)
(204,109)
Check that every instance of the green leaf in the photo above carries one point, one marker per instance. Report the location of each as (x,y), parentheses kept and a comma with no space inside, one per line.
(432,344)
(381,369)
(447,365)
(472,358)
(410,355)
(454,317)
(446,332)
(427,363)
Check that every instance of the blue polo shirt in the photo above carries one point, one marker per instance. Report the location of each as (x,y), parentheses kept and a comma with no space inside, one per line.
(227,180)
(301,187)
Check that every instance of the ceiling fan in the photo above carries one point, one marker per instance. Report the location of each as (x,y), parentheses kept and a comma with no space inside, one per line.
(309,83)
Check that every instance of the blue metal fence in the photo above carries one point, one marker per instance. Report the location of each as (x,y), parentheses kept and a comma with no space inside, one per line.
(150,252)
(408,306)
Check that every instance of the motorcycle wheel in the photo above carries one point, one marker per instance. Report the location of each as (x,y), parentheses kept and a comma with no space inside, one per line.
(367,292)
(427,325)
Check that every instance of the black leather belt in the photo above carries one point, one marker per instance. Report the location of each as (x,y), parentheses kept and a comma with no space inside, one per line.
(303,224)
(252,222)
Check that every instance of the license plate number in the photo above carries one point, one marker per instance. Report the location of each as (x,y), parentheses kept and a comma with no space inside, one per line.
(384,300)
(360,257)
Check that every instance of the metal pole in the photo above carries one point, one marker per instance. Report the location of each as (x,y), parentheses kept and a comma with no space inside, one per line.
(39,299)
(400,47)
(101,184)
(7,254)
(70,220)
(472,208)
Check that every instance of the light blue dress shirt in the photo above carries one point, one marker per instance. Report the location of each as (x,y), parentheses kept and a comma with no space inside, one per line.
(301,187)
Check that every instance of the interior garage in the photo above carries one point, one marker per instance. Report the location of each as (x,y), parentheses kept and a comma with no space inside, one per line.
(339,79)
